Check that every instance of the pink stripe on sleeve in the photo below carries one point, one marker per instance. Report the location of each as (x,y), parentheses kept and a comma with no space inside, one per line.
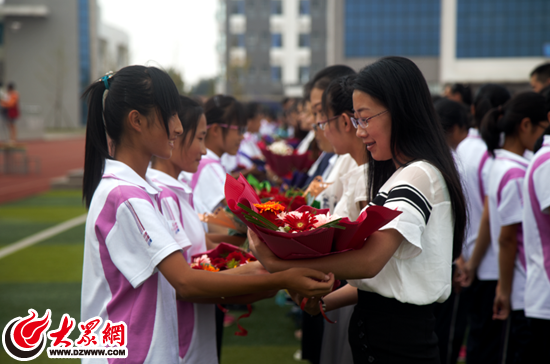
(479,176)
(542,220)
(510,175)
(135,306)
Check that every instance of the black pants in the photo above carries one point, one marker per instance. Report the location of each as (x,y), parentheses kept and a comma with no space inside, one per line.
(518,338)
(537,350)
(485,335)
(384,330)
(451,323)
(312,337)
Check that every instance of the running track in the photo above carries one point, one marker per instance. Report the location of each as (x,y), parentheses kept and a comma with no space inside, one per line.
(57,157)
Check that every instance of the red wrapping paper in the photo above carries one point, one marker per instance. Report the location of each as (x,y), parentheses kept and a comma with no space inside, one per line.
(308,244)
(282,165)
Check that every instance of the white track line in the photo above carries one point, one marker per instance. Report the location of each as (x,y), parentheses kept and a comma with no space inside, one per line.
(43,235)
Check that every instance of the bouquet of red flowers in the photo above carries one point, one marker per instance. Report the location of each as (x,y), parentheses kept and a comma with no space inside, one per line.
(291,198)
(224,256)
(303,233)
(284,159)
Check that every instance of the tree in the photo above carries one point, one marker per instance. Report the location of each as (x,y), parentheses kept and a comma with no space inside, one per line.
(205,87)
(176,76)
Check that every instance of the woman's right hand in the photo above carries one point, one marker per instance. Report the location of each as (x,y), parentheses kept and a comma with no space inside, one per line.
(308,282)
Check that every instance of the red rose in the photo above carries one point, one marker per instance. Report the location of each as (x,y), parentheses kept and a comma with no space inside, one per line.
(237,256)
(219,263)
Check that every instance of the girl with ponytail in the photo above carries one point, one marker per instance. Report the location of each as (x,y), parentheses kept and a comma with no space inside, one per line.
(522,121)
(134,265)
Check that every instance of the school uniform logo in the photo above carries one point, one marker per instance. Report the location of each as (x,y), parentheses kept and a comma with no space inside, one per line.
(139,225)
(25,338)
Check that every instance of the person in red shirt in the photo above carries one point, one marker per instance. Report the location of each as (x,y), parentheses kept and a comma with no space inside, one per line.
(11,104)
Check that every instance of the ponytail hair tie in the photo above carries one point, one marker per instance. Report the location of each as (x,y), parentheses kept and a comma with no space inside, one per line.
(106,78)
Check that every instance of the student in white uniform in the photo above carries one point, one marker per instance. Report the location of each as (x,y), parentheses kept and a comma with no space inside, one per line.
(478,263)
(522,120)
(406,266)
(536,223)
(248,150)
(226,125)
(340,131)
(133,265)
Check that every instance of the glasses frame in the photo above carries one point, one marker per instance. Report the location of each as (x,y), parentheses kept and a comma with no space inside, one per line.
(241,129)
(322,124)
(364,122)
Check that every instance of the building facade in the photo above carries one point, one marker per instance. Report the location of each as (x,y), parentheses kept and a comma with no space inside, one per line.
(52,50)
(269,48)
(468,41)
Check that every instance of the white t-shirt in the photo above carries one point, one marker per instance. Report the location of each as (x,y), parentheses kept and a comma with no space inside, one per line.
(474,164)
(536,233)
(506,208)
(333,193)
(196,321)
(419,272)
(355,191)
(126,238)
(326,172)
(208,183)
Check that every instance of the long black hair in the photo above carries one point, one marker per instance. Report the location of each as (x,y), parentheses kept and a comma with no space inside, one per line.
(451,113)
(398,84)
(148,90)
(546,94)
(488,96)
(506,119)
(189,113)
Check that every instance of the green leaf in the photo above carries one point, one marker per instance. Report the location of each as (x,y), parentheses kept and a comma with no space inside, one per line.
(333,224)
(316,204)
(257,216)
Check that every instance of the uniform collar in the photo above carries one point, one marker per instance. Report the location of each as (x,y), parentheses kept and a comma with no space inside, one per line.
(505,154)
(121,171)
(165,179)
(546,140)
(211,155)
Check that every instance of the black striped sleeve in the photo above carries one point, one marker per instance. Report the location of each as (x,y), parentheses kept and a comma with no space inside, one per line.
(413,197)
(380,199)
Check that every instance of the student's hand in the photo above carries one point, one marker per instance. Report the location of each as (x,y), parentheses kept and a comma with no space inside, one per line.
(261,251)
(311,306)
(501,306)
(458,274)
(468,274)
(308,282)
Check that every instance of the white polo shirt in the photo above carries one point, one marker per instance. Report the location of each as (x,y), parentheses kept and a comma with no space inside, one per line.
(355,191)
(126,238)
(474,164)
(419,272)
(536,233)
(506,208)
(208,183)
(196,321)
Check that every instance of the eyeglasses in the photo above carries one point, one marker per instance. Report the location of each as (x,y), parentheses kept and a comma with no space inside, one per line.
(323,124)
(240,128)
(364,122)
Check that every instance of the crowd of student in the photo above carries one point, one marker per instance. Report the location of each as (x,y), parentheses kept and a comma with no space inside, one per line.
(470,248)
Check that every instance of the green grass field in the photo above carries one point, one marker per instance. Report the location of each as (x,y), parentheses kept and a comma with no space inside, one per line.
(48,275)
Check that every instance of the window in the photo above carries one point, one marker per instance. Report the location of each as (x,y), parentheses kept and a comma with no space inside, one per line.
(503,28)
(303,40)
(304,7)
(237,40)
(237,7)
(396,27)
(276,40)
(276,74)
(303,74)
(276,7)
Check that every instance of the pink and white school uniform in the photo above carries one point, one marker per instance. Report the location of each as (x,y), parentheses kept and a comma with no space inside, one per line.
(536,223)
(196,321)
(506,208)
(248,149)
(208,183)
(126,238)
(474,164)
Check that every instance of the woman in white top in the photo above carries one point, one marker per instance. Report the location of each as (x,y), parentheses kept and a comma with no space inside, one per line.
(522,120)
(406,266)
(536,222)
(133,264)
